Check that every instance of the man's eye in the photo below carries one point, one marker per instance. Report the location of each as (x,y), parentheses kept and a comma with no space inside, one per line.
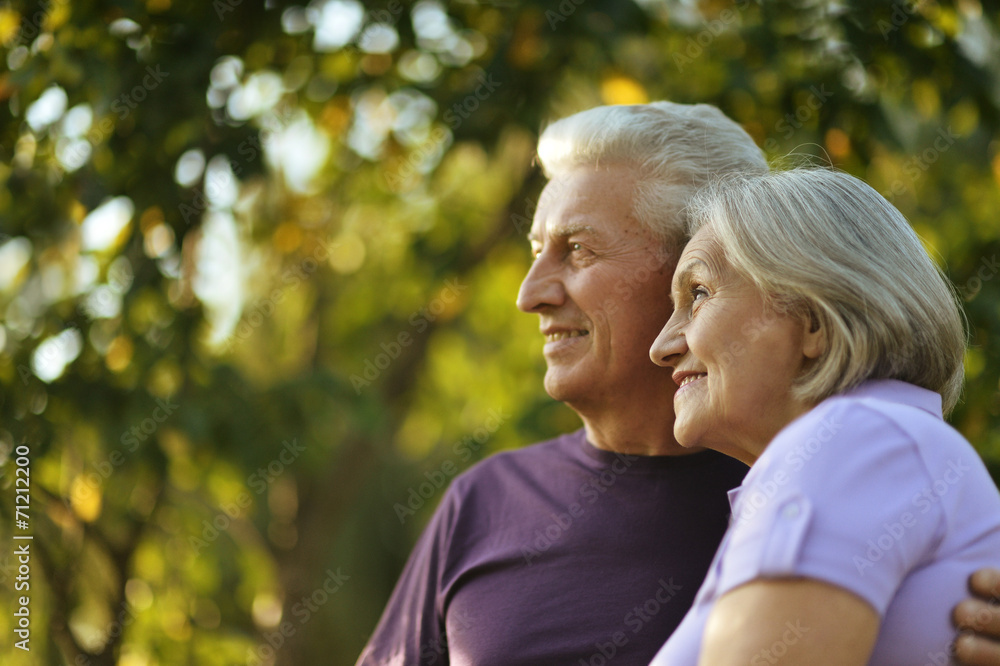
(575,247)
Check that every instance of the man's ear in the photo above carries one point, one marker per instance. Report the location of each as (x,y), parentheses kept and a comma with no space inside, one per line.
(814,340)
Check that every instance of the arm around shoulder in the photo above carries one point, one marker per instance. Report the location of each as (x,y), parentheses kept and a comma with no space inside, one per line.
(981,616)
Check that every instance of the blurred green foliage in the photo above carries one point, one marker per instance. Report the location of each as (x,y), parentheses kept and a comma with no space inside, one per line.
(244,381)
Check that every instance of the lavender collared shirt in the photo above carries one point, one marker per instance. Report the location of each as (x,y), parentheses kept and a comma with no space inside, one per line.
(870,491)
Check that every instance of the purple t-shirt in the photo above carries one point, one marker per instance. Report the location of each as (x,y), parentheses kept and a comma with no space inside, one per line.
(558,553)
(873,492)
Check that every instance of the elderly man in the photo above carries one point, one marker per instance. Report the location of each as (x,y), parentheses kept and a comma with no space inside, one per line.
(589,547)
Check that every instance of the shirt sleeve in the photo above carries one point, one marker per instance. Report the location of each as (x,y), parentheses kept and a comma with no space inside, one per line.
(412,628)
(843,496)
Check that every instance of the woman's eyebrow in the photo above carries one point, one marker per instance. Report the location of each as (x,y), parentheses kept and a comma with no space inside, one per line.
(684,274)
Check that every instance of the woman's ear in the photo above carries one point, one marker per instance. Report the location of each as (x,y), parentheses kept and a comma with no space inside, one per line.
(814,335)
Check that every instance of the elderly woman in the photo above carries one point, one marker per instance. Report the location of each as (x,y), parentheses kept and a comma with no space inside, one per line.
(814,339)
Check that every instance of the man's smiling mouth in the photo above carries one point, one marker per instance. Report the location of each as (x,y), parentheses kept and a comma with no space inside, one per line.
(562,335)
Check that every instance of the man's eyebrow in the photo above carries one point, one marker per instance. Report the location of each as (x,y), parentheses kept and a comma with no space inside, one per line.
(562,231)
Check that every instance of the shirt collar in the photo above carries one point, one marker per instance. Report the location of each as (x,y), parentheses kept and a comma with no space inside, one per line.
(894,390)
(734,494)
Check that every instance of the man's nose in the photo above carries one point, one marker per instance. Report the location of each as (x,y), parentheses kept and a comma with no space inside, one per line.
(670,345)
(542,287)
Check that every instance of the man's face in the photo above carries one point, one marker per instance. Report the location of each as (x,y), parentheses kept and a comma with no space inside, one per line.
(600,283)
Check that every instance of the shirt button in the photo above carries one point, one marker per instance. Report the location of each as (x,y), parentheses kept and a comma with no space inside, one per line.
(791,511)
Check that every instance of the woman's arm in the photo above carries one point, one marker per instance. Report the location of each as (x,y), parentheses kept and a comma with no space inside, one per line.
(791,620)
(983,617)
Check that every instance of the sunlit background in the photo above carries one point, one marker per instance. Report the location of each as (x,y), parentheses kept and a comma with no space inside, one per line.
(258,265)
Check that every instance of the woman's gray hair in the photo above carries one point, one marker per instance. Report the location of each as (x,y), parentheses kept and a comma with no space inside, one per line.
(827,244)
(675,149)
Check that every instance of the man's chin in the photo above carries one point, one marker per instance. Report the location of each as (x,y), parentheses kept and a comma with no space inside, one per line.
(567,389)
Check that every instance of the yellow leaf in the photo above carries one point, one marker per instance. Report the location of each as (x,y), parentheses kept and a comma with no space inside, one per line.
(287,237)
(57,17)
(974,363)
(946,20)
(10,22)
(926,98)
(623,90)
(119,354)
(85,497)
(963,118)
(347,253)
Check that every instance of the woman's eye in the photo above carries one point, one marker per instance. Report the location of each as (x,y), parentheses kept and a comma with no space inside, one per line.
(698,293)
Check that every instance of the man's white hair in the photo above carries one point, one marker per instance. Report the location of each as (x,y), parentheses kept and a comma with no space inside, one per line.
(674,148)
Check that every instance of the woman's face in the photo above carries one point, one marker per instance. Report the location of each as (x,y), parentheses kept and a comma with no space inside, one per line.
(734,356)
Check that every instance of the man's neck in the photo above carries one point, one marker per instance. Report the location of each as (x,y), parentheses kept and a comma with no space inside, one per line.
(639,431)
